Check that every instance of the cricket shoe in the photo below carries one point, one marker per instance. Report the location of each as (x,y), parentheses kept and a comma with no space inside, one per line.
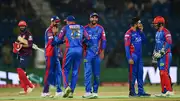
(67,92)
(169,93)
(59,94)
(22,92)
(144,95)
(161,95)
(46,95)
(70,95)
(95,95)
(133,94)
(29,90)
(88,95)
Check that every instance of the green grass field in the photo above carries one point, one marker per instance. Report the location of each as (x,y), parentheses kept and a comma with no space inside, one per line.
(105,94)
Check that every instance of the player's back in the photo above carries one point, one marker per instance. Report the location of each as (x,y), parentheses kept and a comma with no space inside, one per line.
(74,35)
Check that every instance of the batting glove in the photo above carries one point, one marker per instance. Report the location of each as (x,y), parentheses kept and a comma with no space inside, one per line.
(157,55)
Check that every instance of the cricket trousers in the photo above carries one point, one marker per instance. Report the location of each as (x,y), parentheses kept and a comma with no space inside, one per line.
(92,67)
(23,63)
(136,73)
(52,74)
(71,60)
(164,66)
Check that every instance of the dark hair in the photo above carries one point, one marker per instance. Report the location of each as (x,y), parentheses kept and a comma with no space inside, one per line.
(134,20)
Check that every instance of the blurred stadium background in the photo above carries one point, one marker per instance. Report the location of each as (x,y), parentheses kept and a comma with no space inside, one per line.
(115,16)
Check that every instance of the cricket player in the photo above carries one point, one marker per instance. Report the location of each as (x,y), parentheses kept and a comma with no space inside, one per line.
(133,39)
(75,34)
(23,48)
(162,53)
(94,54)
(53,67)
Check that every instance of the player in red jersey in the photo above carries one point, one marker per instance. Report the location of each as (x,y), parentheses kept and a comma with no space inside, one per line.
(23,48)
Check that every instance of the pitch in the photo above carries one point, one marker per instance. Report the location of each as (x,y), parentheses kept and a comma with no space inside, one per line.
(105,94)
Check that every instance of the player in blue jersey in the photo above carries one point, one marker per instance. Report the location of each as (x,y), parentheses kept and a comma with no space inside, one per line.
(74,35)
(53,67)
(133,39)
(162,53)
(94,53)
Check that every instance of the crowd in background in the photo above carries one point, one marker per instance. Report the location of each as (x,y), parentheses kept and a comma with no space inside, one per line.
(114,16)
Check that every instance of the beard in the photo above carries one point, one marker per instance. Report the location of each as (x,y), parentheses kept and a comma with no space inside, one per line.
(93,22)
(156,27)
(22,29)
(137,28)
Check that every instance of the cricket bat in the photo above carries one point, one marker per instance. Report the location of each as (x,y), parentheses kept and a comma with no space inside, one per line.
(154,62)
(34,46)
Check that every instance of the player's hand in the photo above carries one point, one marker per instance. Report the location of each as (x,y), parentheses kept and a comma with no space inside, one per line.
(16,47)
(131,61)
(141,27)
(102,55)
(154,62)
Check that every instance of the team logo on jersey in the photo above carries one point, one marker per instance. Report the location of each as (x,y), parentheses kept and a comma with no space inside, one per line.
(161,64)
(30,38)
(94,36)
(85,60)
(138,39)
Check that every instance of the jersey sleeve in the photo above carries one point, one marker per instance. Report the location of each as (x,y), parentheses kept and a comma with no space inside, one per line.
(143,37)
(62,33)
(127,42)
(85,35)
(103,39)
(49,38)
(168,40)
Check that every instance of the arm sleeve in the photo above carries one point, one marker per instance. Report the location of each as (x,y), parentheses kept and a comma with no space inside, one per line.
(127,41)
(62,33)
(168,40)
(49,37)
(30,41)
(103,40)
(143,37)
(85,35)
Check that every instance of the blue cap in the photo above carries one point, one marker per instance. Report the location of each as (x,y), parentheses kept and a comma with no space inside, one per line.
(55,18)
(70,18)
(94,14)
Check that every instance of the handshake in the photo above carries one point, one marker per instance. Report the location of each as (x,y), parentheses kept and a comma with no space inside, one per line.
(159,54)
